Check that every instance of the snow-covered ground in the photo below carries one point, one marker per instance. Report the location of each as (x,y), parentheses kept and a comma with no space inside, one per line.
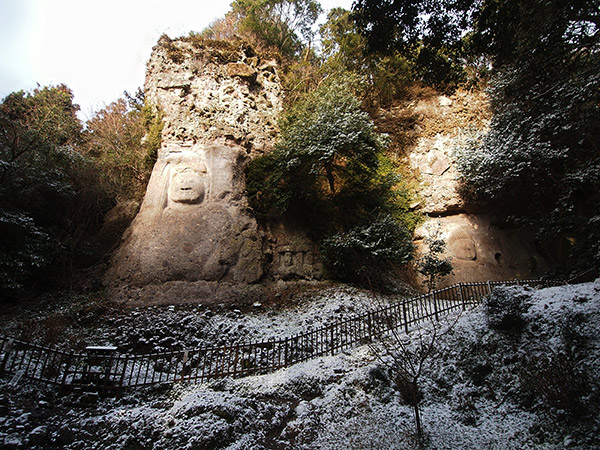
(521,372)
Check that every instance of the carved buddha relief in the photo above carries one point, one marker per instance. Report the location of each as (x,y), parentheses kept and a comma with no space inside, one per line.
(187,182)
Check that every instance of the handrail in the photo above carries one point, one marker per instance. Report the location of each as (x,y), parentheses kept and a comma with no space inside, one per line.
(114,371)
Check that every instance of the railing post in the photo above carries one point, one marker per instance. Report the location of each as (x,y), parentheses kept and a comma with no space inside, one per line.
(184,360)
(332,343)
(63,382)
(405,317)
(124,371)
(461,296)
(435,308)
(489,286)
(9,345)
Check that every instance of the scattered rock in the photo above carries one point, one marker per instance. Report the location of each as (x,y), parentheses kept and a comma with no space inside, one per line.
(38,435)
(65,435)
(444,101)
(13,442)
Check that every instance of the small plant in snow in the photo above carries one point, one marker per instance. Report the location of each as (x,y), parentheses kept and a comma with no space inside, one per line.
(406,356)
(432,265)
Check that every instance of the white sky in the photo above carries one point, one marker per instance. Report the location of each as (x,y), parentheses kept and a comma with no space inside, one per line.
(97,48)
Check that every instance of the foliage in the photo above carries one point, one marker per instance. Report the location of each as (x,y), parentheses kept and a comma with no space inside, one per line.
(428,33)
(300,77)
(505,308)
(502,29)
(381,78)
(542,147)
(225,29)
(401,24)
(48,194)
(280,24)
(25,248)
(325,175)
(431,264)
(328,150)
(124,138)
(360,253)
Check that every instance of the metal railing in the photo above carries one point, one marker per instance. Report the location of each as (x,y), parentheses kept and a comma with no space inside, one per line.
(106,369)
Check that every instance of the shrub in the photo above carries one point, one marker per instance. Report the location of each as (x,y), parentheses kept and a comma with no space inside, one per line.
(362,252)
(558,380)
(504,309)
(431,264)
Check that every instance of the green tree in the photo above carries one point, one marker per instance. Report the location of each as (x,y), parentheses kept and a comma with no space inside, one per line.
(48,195)
(379,77)
(325,176)
(36,126)
(282,24)
(428,33)
(328,151)
(542,148)
(432,265)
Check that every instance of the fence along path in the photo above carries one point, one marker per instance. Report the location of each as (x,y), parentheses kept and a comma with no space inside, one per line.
(104,368)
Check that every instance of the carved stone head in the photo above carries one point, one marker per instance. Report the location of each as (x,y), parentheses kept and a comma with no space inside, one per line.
(187,179)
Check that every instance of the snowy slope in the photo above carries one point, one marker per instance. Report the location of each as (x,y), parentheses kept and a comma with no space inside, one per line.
(520,372)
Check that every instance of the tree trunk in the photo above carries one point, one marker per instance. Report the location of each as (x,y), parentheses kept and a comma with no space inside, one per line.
(415,401)
(330,178)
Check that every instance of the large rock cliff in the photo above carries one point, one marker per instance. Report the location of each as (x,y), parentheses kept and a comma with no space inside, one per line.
(195,237)
(480,245)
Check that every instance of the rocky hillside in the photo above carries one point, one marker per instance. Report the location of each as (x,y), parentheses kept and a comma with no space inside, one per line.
(428,130)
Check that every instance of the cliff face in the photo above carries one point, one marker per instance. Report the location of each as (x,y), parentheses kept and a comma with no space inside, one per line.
(195,237)
(214,93)
(480,246)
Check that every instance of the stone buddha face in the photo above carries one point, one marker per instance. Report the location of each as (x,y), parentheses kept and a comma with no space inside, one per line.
(188,182)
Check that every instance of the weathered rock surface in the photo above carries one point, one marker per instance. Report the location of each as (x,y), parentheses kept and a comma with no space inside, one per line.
(214,93)
(291,254)
(195,238)
(433,159)
(480,250)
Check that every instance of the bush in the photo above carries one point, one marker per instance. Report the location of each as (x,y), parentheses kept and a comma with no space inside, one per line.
(431,264)
(328,175)
(558,380)
(362,252)
(505,307)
